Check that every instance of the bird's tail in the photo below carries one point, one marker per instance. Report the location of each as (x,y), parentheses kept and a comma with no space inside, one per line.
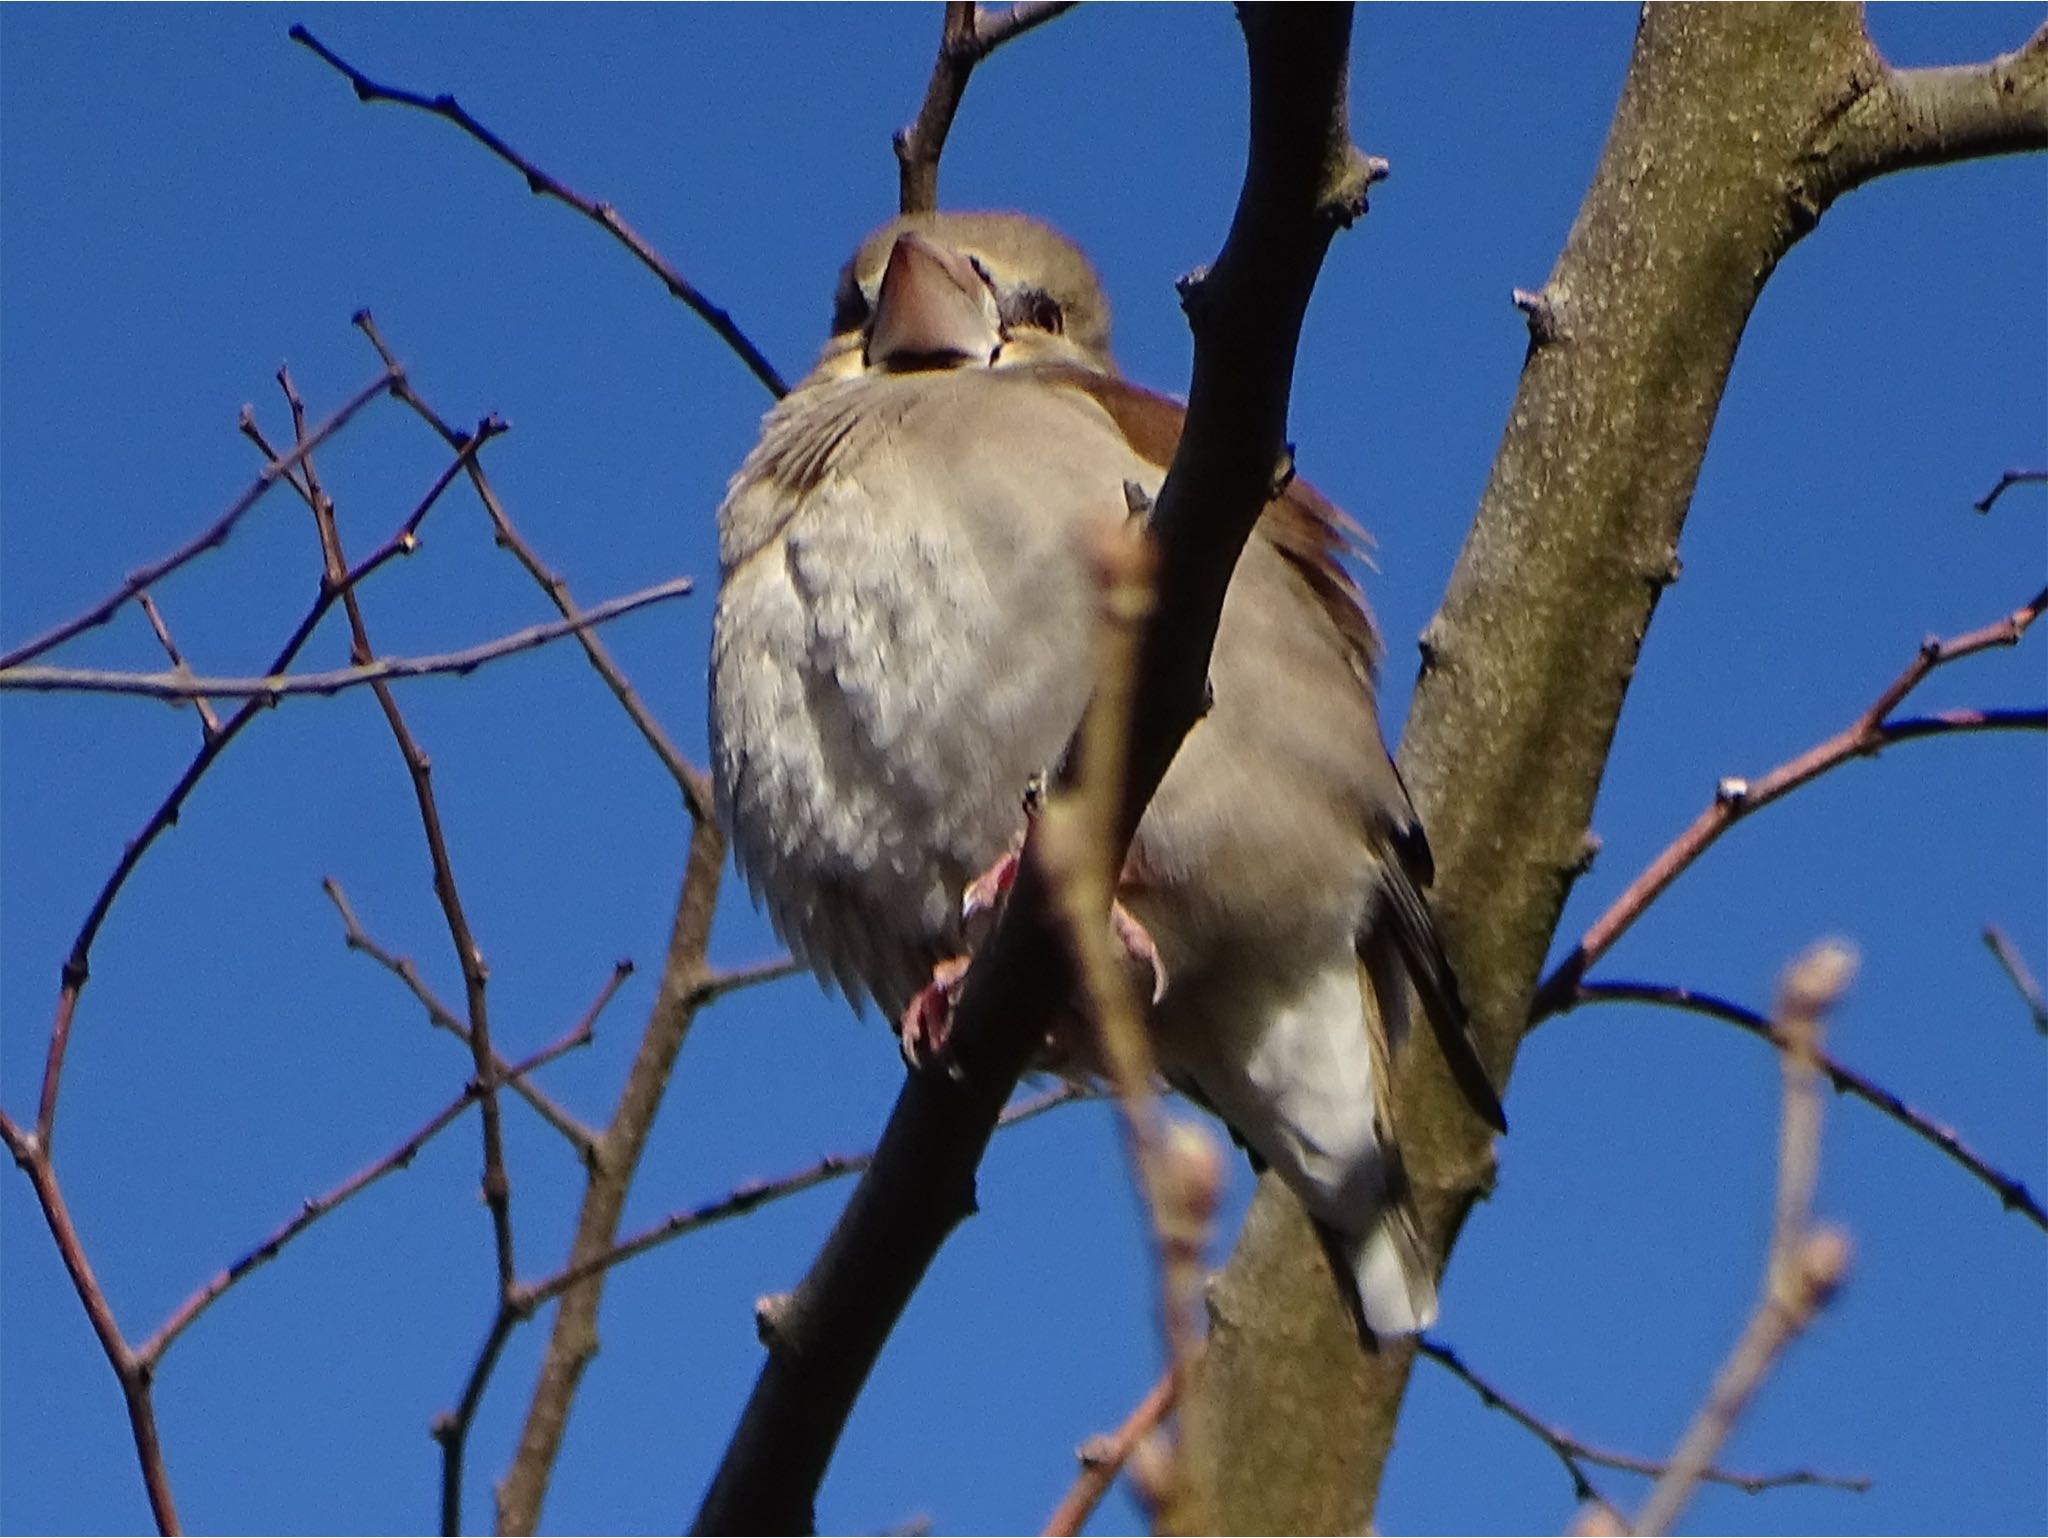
(1388,1266)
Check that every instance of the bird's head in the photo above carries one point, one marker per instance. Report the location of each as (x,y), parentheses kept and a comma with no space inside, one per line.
(940,291)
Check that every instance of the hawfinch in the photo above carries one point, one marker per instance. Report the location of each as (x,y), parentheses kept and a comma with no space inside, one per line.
(903,640)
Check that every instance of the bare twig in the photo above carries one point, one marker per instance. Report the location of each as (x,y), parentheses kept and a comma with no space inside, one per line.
(1102,1458)
(209,723)
(717,985)
(969,34)
(1574,1454)
(77,965)
(181,684)
(1845,1080)
(1807,1263)
(694,784)
(759,1193)
(2006,482)
(2016,968)
(496,1184)
(31,1152)
(580,1137)
(1176,1168)
(1736,799)
(542,184)
(214,535)
(315,1208)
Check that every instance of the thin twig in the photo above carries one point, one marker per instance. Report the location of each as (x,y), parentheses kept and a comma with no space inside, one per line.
(2006,482)
(2011,1192)
(542,184)
(496,1184)
(1807,1263)
(214,535)
(719,984)
(209,723)
(317,1207)
(1736,799)
(77,964)
(1102,1458)
(746,1198)
(692,781)
(579,1137)
(1574,1454)
(183,685)
(1177,1169)
(969,34)
(2016,968)
(31,1152)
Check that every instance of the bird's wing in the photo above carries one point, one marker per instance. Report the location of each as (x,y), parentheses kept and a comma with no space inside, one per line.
(1313,535)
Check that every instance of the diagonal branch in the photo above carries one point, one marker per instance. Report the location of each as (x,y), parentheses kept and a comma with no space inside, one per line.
(1807,1263)
(77,965)
(1575,1454)
(1736,799)
(692,781)
(757,1194)
(2015,968)
(579,1137)
(209,723)
(1104,1457)
(315,1208)
(542,184)
(969,34)
(338,577)
(213,536)
(2006,482)
(2011,1191)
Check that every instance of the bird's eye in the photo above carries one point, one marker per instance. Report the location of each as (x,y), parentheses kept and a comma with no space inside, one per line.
(850,308)
(1036,308)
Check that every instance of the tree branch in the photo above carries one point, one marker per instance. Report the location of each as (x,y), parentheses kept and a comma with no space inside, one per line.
(1103,1458)
(209,723)
(1807,1264)
(2005,483)
(2012,1192)
(542,184)
(692,781)
(1897,119)
(356,938)
(1575,1454)
(1736,799)
(215,534)
(315,1208)
(183,684)
(2015,968)
(1303,181)
(969,34)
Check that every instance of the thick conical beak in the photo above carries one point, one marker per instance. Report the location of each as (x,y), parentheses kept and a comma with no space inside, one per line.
(934,310)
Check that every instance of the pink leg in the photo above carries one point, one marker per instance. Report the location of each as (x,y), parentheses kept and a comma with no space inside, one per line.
(928,1018)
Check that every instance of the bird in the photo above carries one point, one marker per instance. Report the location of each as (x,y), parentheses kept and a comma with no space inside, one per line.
(902,642)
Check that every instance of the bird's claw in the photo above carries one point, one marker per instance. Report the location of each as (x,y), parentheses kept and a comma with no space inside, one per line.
(924,1032)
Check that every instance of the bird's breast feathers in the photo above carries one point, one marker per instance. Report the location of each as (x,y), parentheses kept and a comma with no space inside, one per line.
(901,642)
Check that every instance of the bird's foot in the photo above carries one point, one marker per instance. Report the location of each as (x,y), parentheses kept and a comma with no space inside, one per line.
(986,892)
(927,1021)
(1138,947)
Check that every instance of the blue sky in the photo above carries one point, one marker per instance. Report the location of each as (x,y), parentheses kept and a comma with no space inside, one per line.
(186,199)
